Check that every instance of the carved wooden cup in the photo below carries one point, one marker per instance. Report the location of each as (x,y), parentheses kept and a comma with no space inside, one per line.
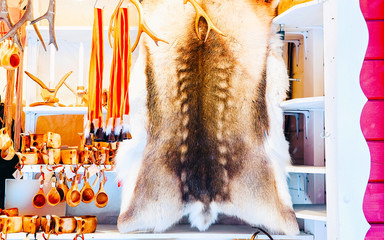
(64,224)
(86,224)
(31,223)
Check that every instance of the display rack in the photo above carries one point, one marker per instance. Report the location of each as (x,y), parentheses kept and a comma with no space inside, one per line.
(341,207)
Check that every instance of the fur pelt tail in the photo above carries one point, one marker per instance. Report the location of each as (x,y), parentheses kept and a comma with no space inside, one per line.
(201,215)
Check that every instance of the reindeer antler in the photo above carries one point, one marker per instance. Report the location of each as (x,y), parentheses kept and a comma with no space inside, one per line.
(143,27)
(27,16)
(201,13)
(50,16)
(4,16)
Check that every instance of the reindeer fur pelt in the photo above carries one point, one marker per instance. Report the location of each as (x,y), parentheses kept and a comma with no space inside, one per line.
(207,133)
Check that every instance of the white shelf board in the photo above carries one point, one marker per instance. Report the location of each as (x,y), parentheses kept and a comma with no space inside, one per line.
(306,169)
(302,16)
(48,110)
(311,211)
(304,104)
(36,168)
(177,232)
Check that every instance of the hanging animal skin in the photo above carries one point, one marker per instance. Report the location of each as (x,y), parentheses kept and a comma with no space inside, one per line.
(207,134)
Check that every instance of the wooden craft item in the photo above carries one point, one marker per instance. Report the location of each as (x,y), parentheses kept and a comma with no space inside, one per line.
(53,140)
(11,224)
(38,141)
(11,212)
(31,223)
(73,197)
(54,156)
(86,224)
(87,193)
(9,153)
(101,198)
(5,139)
(29,158)
(62,188)
(39,200)
(64,224)
(48,95)
(47,224)
(10,57)
(25,143)
(53,196)
(85,157)
(69,156)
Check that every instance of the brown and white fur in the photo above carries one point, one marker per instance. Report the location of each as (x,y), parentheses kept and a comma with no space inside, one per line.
(206,122)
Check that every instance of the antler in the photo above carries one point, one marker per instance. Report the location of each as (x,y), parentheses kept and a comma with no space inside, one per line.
(143,27)
(38,81)
(70,89)
(27,16)
(201,13)
(4,16)
(50,16)
(58,86)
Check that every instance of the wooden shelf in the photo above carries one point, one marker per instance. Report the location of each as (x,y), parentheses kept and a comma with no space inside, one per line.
(303,104)
(306,169)
(311,211)
(302,16)
(177,232)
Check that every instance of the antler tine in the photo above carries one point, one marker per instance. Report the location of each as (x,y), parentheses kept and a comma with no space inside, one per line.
(70,89)
(58,86)
(27,16)
(50,16)
(38,81)
(143,27)
(201,13)
(4,16)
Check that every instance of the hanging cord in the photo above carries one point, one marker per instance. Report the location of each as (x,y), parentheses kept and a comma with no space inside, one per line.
(260,230)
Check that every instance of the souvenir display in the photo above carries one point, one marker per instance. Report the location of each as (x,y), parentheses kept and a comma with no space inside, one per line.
(194,130)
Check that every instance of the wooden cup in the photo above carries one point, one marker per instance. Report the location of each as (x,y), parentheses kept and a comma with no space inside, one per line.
(87,193)
(69,156)
(47,224)
(53,196)
(86,224)
(39,200)
(11,224)
(73,197)
(53,140)
(29,158)
(31,223)
(8,153)
(38,141)
(101,198)
(11,212)
(64,224)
